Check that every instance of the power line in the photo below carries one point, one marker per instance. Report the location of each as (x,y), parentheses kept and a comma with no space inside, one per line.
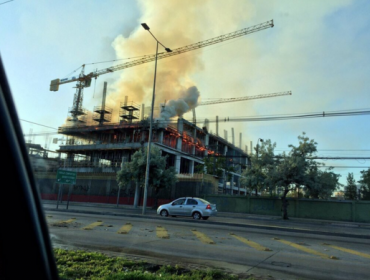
(6,2)
(340,113)
(39,124)
(343,166)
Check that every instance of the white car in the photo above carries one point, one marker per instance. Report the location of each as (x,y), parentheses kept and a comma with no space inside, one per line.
(195,207)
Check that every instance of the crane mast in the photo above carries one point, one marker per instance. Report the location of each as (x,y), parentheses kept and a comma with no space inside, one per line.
(85,80)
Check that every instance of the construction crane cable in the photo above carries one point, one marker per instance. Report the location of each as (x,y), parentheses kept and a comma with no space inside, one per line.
(38,124)
(72,72)
(134,57)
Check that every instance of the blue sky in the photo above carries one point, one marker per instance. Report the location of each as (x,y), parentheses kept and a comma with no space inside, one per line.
(317,49)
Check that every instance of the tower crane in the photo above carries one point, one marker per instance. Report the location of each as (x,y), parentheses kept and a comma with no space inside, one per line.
(84,80)
(234,99)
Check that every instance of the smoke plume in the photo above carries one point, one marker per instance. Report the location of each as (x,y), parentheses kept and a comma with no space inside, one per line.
(175,74)
(182,105)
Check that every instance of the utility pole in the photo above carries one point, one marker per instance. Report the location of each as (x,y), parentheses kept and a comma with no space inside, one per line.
(259,139)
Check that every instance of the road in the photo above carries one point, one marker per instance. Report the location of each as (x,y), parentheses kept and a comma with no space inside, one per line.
(263,248)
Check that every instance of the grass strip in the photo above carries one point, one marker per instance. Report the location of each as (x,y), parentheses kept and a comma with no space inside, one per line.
(81,265)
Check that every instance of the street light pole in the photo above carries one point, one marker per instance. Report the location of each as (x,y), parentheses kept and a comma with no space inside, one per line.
(146,27)
(259,139)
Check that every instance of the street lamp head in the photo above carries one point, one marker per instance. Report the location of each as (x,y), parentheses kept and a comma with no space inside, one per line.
(168,50)
(146,27)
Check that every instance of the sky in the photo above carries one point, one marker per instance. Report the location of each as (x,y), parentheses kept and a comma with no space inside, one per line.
(318,50)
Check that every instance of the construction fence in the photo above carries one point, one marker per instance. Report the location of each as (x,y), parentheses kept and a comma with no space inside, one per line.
(336,210)
(103,188)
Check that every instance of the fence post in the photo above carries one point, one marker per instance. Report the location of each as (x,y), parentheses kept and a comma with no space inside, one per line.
(353,211)
(119,191)
(69,195)
(297,211)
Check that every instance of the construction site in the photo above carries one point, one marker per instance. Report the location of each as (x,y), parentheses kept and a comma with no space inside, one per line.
(96,143)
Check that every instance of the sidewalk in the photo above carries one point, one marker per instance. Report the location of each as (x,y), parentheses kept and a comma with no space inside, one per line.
(237,218)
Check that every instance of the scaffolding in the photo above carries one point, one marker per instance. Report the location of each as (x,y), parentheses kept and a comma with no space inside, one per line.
(80,113)
(102,114)
(129,111)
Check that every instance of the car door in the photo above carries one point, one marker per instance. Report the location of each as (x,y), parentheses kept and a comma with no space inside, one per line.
(189,206)
(176,207)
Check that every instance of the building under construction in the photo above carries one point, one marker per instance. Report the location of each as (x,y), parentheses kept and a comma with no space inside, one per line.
(104,147)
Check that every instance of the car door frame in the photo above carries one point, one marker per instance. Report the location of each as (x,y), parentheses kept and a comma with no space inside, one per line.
(25,213)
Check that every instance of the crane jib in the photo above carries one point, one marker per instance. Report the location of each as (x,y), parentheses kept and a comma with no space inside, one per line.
(54,85)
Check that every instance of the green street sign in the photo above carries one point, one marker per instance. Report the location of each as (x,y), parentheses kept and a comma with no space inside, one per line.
(66,177)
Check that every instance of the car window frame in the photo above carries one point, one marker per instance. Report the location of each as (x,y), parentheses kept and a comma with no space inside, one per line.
(35,245)
(179,200)
(192,200)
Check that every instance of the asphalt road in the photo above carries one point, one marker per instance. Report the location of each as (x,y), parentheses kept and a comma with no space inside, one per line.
(284,252)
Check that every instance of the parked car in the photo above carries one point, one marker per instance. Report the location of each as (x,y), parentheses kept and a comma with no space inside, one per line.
(195,207)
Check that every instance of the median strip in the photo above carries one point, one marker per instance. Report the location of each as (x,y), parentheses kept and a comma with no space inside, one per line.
(202,237)
(305,249)
(162,232)
(125,229)
(251,243)
(353,252)
(91,226)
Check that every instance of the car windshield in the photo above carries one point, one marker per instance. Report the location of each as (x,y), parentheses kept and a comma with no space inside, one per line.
(258,108)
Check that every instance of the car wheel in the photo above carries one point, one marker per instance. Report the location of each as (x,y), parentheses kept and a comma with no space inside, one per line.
(205,218)
(164,213)
(197,216)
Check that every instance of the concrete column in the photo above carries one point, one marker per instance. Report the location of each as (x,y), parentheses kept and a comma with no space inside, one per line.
(177,164)
(96,161)
(191,167)
(160,137)
(107,190)
(232,184)
(195,139)
(238,185)
(224,172)
(180,128)
(124,159)
(70,159)
(206,143)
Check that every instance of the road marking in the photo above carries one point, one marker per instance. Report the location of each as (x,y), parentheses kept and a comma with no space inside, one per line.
(91,226)
(125,229)
(251,243)
(66,222)
(162,232)
(348,251)
(305,249)
(202,237)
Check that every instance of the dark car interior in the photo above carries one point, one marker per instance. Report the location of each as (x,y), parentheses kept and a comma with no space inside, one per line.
(26,250)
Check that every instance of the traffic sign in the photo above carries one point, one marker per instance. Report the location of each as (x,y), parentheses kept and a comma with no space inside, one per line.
(66,177)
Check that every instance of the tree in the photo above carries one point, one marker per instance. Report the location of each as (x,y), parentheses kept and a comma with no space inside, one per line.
(351,188)
(255,177)
(216,166)
(321,184)
(160,176)
(365,184)
(292,170)
(212,165)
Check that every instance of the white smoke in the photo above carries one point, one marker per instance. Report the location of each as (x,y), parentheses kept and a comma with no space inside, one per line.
(182,105)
